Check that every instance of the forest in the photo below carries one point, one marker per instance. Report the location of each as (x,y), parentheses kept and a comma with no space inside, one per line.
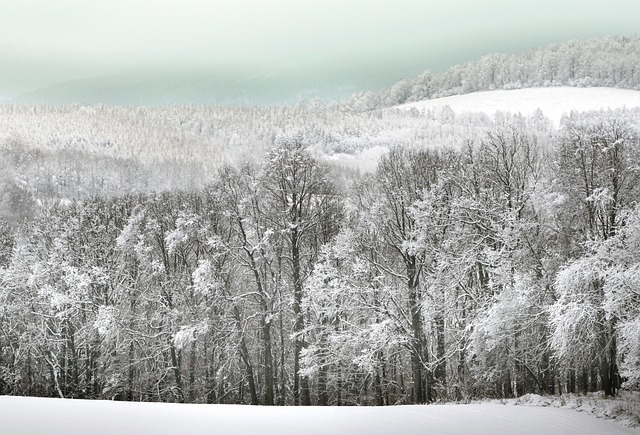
(320,254)
(504,266)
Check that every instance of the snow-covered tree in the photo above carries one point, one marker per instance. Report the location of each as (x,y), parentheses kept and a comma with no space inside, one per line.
(598,168)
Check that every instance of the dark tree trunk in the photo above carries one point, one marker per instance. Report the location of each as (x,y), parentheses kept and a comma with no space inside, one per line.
(608,367)
(440,372)
(246,359)
(301,383)
(323,397)
(192,372)
(130,373)
(175,367)
(268,362)
(417,342)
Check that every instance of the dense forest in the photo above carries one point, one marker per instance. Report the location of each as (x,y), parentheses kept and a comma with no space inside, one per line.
(500,267)
(330,254)
(73,152)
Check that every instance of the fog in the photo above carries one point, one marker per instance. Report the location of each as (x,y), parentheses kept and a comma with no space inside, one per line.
(330,46)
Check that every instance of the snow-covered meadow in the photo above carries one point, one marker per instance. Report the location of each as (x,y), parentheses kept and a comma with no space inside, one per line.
(36,416)
(554,102)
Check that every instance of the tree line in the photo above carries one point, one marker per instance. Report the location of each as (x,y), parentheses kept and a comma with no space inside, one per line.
(609,61)
(493,269)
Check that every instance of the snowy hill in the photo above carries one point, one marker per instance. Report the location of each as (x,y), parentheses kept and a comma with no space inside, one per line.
(554,101)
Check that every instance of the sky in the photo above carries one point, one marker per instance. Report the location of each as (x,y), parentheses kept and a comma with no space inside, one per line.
(46,42)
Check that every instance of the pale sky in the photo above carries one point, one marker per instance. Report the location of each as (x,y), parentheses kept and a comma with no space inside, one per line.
(43,42)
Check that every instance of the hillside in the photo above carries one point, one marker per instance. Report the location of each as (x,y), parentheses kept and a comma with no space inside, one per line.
(242,87)
(554,102)
(610,62)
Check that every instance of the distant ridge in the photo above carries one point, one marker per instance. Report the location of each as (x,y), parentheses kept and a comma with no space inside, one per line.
(221,89)
(226,86)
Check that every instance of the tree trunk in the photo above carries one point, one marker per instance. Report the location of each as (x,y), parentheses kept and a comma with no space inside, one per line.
(192,372)
(608,368)
(301,383)
(246,359)
(323,397)
(417,341)
(175,363)
(440,372)
(130,372)
(283,379)
(268,361)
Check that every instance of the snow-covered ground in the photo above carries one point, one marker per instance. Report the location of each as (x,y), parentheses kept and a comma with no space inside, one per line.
(554,101)
(37,416)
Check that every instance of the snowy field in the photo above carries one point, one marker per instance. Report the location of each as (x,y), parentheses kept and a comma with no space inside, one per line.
(554,102)
(36,416)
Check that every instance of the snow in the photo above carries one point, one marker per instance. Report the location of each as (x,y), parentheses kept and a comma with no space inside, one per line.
(553,101)
(30,416)
(623,408)
(365,160)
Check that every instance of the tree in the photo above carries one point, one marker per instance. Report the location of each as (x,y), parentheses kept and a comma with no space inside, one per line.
(353,337)
(597,164)
(256,250)
(301,201)
(402,178)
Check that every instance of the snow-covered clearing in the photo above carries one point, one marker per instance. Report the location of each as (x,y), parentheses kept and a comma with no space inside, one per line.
(554,101)
(37,416)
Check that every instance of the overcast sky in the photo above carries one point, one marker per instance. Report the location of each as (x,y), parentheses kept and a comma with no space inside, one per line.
(43,42)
